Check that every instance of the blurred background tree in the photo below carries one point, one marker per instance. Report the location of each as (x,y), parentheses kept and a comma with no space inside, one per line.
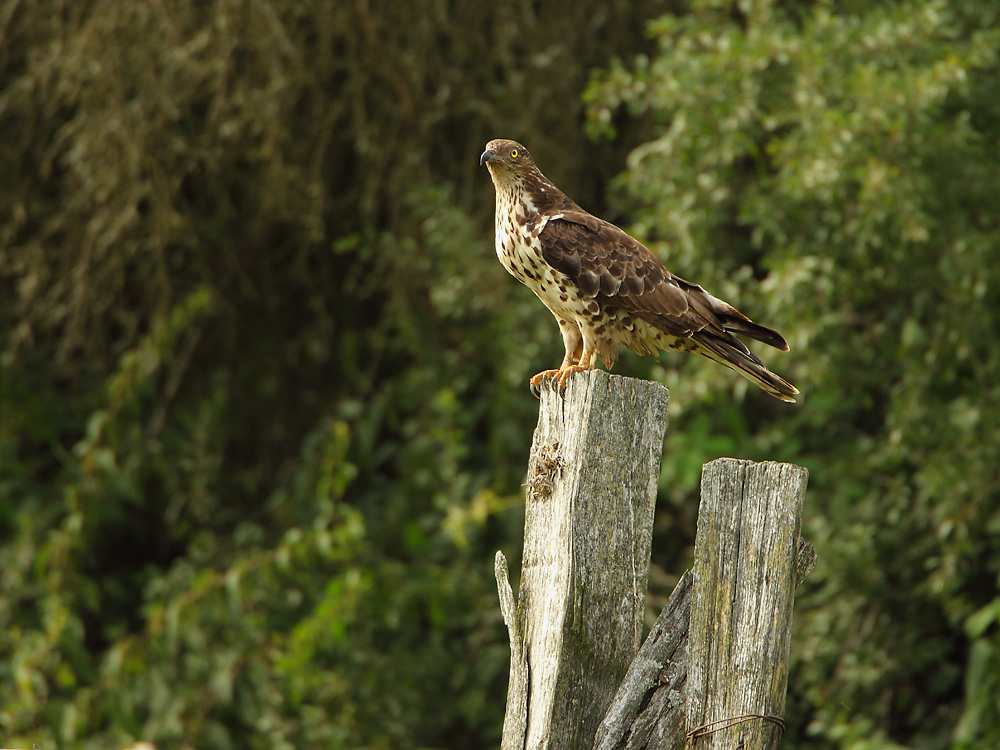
(264,415)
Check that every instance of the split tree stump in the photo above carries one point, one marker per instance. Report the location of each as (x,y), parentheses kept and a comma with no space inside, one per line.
(713,669)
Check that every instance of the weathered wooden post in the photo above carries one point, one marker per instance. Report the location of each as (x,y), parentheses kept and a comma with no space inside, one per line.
(591,491)
(713,670)
(649,710)
(741,612)
(714,665)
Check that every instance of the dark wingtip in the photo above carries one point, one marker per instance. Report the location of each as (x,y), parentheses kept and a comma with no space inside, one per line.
(756,331)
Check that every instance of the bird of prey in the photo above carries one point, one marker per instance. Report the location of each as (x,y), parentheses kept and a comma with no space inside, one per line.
(606,289)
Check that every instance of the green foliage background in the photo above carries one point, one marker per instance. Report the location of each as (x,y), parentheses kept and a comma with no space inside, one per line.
(264,416)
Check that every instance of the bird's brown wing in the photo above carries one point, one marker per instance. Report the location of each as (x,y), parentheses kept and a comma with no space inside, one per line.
(614,268)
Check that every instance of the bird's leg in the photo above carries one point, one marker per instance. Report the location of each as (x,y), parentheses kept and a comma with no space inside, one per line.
(586,363)
(573,342)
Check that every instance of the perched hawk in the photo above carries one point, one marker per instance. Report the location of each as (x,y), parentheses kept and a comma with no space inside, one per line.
(606,289)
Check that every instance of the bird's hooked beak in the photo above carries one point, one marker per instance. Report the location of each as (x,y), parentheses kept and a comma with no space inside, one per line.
(488,155)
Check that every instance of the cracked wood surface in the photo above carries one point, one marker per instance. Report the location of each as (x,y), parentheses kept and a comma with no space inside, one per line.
(590,495)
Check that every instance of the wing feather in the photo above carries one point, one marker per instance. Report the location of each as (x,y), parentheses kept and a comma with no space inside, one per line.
(609,265)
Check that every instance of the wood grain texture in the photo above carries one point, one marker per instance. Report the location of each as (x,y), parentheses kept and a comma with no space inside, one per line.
(648,709)
(591,492)
(741,612)
(516,717)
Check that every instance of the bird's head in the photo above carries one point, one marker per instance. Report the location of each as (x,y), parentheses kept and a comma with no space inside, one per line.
(503,157)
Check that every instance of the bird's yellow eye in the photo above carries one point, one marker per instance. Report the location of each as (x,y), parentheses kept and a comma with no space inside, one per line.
(513,153)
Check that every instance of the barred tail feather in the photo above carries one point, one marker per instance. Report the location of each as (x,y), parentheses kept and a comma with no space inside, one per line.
(734,355)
